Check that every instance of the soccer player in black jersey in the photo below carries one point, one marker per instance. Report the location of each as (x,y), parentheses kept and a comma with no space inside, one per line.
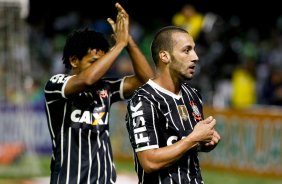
(165,117)
(78,103)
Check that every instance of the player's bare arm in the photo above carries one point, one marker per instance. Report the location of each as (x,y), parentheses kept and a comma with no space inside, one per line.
(155,159)
(95,64)
(142,69)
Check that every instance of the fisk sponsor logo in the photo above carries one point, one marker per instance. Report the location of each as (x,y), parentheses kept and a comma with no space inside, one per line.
(139,129)
(93,118)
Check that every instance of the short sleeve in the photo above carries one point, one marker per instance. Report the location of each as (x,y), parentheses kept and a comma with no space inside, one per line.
(141,121)
(54,88)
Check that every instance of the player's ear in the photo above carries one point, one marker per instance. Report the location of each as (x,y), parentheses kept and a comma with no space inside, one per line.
(164,56)
(73,61)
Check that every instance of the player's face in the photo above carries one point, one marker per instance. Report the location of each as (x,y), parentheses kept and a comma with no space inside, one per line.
(90,58)
(183,56)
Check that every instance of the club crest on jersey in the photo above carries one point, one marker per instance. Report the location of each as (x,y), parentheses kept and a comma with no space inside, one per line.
(196,113)
(183,112)
(102,93)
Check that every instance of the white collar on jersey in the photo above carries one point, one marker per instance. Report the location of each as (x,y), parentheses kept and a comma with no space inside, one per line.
(158,87)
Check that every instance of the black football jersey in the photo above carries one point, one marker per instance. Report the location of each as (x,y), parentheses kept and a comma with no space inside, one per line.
(79,129)
(157,118)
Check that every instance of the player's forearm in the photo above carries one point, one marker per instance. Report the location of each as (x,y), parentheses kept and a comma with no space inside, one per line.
(143,70)
(93,73)
(102,65)
(156,159)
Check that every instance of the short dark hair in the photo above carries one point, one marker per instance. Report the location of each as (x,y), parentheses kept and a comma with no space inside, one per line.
(163,40)
(79,42)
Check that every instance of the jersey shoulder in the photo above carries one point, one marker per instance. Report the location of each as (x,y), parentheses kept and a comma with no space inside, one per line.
(144,91)
(56,81)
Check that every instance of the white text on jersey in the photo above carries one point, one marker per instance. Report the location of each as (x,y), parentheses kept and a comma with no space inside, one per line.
(60,78)
(88,117)
(139,124)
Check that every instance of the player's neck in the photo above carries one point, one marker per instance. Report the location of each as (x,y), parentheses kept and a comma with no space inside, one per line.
(166,82)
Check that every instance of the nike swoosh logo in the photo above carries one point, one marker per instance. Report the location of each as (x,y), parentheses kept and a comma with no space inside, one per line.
(167,113)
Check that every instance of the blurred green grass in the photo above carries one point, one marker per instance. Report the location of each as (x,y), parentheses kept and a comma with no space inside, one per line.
(15,173)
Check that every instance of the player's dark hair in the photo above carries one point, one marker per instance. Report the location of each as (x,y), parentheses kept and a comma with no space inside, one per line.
(163,41)
(79,42)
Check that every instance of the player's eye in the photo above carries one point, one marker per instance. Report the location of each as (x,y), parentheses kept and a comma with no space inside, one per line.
(187,51)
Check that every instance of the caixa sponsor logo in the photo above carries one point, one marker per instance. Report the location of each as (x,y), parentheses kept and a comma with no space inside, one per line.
(173,139)
(92,118)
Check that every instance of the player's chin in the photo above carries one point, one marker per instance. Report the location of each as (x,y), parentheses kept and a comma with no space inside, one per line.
(190,75)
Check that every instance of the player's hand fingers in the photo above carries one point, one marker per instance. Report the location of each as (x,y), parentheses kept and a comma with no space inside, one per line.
(216,135)
(121,9)
(112,23)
